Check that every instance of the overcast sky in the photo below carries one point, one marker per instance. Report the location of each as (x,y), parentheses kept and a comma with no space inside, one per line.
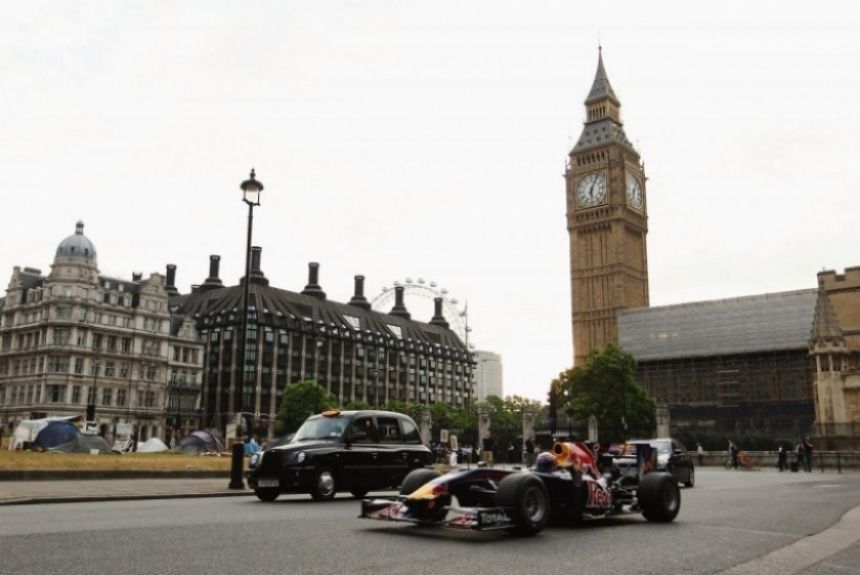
(428,139)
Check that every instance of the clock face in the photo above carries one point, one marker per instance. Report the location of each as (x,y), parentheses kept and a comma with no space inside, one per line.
(634,191)
(591,190)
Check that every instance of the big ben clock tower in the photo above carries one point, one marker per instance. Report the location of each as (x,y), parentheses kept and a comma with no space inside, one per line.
(607,221)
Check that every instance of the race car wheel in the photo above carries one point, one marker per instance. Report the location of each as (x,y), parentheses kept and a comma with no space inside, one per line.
(416,478)
(267,493)
(691,480)
(659,497)
(527,497)
(324,486)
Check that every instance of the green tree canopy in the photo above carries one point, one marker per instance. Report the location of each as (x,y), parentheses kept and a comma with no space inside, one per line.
(606,387)
(300,401)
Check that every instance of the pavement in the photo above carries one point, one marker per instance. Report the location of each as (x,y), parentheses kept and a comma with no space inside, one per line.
(75,490)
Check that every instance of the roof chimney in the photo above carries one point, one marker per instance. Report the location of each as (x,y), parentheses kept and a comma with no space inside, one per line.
(170,286)
(358,299)
(313,288)
(438,318)
(213,281)
(257,277)
(136,276)
(399,309)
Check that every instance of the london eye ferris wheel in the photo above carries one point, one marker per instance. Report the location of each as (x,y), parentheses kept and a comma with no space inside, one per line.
(420,292)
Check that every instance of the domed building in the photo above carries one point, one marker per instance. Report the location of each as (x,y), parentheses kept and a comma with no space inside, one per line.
(77,343)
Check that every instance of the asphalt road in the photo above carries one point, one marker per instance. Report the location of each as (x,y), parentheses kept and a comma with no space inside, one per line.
(728,519)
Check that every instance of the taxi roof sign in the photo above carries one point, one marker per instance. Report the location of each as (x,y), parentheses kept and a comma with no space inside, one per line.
(331,412)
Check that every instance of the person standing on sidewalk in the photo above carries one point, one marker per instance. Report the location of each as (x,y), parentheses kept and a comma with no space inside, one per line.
(781,459)
(733,452)
(700,453)
(807,454)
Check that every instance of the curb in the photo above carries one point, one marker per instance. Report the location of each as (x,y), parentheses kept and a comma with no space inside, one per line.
(50,475)
(141,497)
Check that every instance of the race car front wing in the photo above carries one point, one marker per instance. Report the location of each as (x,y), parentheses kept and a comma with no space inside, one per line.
(475,518)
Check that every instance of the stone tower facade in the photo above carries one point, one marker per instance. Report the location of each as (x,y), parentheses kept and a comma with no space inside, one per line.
(607,222)
(835,345)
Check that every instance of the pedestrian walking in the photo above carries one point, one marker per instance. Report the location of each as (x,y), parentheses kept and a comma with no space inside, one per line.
(733,452)
(807,454)
(781,457)
(798,453)
(700,453)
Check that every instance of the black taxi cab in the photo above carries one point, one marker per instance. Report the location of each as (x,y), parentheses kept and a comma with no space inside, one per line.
(355,451)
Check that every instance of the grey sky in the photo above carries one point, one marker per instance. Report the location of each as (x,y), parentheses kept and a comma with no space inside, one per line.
(407,139)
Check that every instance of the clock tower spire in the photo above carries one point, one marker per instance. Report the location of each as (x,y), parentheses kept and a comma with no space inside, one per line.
(607,222)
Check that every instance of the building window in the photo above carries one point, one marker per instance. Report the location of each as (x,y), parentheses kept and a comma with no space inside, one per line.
(109,369)
(55,393)
(123,371)
(120,398)
(79,366)
(76,394)
(149,373)
(107,396)
(126,344)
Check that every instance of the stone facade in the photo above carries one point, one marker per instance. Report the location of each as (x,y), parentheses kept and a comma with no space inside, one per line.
(606,222)
(835,345)
(76,341)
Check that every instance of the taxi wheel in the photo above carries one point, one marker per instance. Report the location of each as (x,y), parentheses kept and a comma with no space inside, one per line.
(324,486)
(267,493)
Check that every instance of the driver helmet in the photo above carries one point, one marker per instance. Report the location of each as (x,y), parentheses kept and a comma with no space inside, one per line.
(545,461)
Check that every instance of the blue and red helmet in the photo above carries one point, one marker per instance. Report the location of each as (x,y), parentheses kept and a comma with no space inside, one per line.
(545,461)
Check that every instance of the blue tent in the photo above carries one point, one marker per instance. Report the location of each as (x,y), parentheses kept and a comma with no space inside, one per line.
(56,433)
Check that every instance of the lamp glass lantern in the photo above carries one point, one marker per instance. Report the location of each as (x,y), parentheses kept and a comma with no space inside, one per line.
(251,189)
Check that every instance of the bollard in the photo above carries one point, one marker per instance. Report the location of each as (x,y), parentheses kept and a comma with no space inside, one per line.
(236,465)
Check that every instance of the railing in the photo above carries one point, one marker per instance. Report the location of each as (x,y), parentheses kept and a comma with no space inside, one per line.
(822,461)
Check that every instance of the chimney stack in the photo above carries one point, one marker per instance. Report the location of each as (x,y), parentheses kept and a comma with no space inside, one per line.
(358,299)
(170,286)
(438,318)
(313,288)
(399,309)
(136,276)
(257,277)
(213,281)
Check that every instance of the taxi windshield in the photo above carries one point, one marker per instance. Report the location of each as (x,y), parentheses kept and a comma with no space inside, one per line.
(321,428)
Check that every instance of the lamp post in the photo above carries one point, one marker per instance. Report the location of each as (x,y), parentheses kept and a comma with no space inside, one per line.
(91,408)
(251,189)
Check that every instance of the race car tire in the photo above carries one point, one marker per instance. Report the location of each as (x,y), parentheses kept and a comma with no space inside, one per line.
(267,493)
(691,480)
(324,486)
(528,498)
(659,497)
(416,478)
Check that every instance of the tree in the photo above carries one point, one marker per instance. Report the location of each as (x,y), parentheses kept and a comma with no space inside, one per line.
(606,388)
(300,401)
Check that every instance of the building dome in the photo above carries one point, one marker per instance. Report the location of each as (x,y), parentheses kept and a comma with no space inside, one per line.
(77,245)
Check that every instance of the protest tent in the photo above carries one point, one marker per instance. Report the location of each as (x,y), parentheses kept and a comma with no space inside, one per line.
(151,445)
(199,442)
(55,433)
(27,430)
(82,443)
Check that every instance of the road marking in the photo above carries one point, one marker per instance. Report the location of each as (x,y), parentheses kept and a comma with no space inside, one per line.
(804,552)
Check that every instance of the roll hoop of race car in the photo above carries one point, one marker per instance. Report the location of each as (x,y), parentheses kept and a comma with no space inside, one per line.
(565,484)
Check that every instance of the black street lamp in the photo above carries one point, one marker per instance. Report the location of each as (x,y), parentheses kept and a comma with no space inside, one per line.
(91,407)
(251,189)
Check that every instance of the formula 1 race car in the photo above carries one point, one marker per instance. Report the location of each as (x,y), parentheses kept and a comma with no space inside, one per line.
(565,484)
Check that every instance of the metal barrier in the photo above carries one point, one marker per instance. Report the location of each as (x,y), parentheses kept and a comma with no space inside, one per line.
(823,461)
